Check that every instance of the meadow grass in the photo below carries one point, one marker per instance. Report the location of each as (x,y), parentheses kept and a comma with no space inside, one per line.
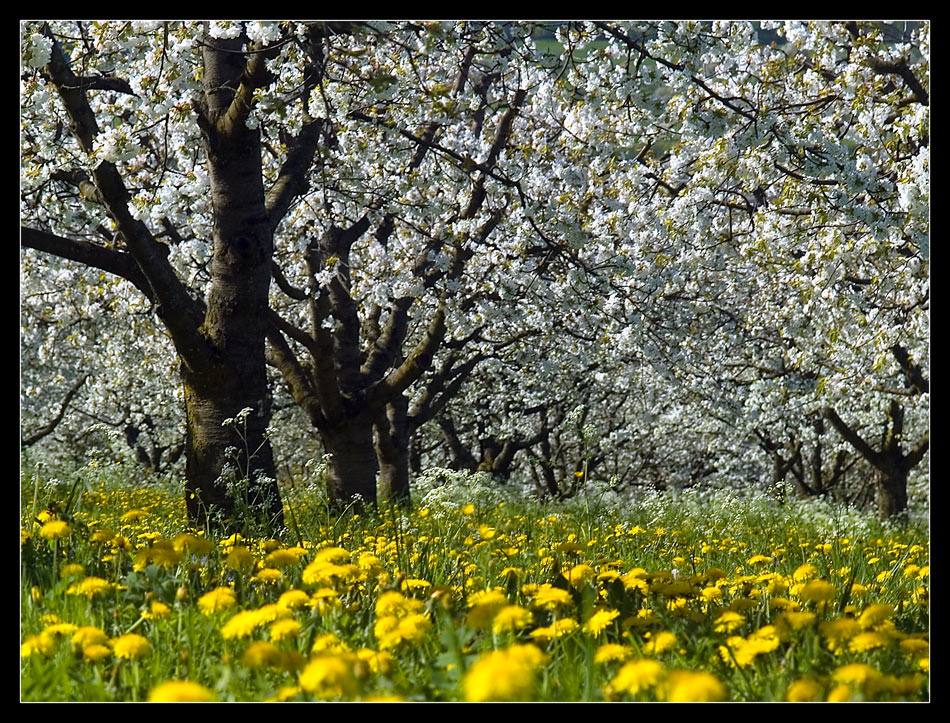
(474,593)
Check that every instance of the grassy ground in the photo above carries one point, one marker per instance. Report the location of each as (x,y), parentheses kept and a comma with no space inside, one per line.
(472,594)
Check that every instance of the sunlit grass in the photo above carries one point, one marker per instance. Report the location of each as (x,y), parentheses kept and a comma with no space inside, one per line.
(472,594)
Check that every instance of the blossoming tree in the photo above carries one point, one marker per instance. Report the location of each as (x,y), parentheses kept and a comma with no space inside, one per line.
(691,220)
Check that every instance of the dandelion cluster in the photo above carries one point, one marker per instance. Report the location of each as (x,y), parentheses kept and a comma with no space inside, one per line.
(467,605)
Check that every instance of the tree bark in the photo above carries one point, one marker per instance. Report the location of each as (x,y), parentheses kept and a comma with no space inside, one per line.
(392,450)
(220,342)
(351,471)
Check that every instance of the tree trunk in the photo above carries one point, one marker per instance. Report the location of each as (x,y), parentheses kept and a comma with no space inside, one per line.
(352,465)
(392,451)
(210,399)
(890,482)
(236,321)
(220,343)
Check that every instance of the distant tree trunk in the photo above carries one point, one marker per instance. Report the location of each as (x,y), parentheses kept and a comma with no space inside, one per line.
(352,465)
(392,450)
(891,464)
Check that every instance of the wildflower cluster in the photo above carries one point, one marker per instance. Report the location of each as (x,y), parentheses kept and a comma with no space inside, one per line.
(480,602)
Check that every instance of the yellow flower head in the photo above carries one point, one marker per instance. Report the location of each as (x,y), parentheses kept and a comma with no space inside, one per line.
(599,621)
(511,618)
(818,591)
(131,646)
(804,690)
(180,691)
(612,652)
(329,677)
(550,597)
(261,654)
(660,642)
(688,686)
(635,677)
(504,675)
(91,587)
(875,614)
(56,530)
(218,600)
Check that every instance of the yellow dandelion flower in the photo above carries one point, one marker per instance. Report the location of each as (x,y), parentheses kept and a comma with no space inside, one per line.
(868,640)
(688,686)
(218,600)
(285,629)
(261,654)
(838,632)
(840,694)
(92,587)
(411,584)
(557,629)
(378,662)
(635,677)
(793,621)
(95,652)
(600,621)
(818,591)
(804,690)
(468,510)
(859,674)
(329,677)
(509,674)
(55,530)
(242,624)
(157,611)
(875,614)
(915,648)
(180,691)
(131,646)
(192,544)
(240,559)
(102,536)
(268,576)
(293,600)
(551,598)
(410,630)
(612,652)
(580,575)
(134,515)
(728,622)
(88,635)
(659,643)
(396,604)
(284,557)
(805,572)
(57,629)
(511,618)
(73,569)
(329,643)
(37,645)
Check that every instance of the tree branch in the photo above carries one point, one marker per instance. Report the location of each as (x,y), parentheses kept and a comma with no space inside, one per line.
(48,428)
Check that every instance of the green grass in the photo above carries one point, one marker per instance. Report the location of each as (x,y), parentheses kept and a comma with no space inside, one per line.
(406,604)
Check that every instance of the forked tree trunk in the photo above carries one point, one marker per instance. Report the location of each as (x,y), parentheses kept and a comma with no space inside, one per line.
(220,342)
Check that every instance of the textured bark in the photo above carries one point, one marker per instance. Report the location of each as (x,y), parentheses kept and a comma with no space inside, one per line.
(392,451)
(236,321)
(351,470)
(210,399)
